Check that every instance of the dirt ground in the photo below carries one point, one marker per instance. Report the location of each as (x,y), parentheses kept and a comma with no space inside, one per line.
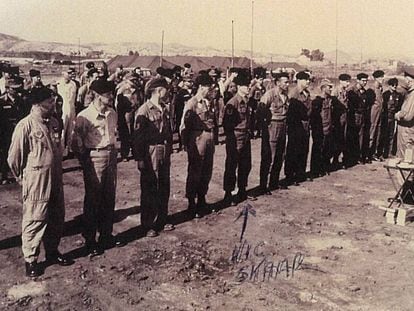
(328,234)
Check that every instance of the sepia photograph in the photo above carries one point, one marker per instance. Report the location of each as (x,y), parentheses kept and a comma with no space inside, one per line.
(238,155)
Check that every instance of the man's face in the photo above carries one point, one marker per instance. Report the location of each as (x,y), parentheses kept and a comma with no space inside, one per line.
(393,87)
(204,89)
(47,107)
(233,87)
(410,81)
(327,90)
(66,76)
(36,79)
(304,84)
(380,80)
(344,84)
(73,75)
(283,83)
(363,82)
(106,99)
(163,95)
(243,90)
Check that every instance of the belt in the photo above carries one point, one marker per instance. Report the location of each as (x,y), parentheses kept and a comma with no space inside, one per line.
(283,120)
(107,148)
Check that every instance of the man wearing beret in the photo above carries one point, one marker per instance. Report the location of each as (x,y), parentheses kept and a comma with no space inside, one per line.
(93,142)
(12,109)
(359,120)
(152,147)
(392,104)
(322,128)
(35,158)
(405,117)
(271,116)
(376,101)
(297,120)
(197,129)
(237,128)
(340,121)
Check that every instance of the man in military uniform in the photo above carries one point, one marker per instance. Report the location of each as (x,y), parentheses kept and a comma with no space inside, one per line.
(12,110)
(359,120)
(271,115)
(35,80)
(237,128)
(197,129)
(93,142)
(35,158)
(152,147)
(183,95)
(392,104)
(376,103)
(297,120)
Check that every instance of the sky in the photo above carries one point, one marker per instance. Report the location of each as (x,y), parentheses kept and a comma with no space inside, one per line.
(279,26)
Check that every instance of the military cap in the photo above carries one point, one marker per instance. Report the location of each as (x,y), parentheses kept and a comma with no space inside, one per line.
(259,72)
(39,94)
(154,83)
(362,76)
(204,80)
(344,77)
(102,86)
(378,73)
(160,71)
(243,77)
(90,65)
(393,81)
(187,65)
(15,82)
(212,72)
(279,75)
(34,73)
(302,75)
(325,82)
(409,71)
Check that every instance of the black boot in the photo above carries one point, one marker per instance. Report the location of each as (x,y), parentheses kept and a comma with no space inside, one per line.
(32,269)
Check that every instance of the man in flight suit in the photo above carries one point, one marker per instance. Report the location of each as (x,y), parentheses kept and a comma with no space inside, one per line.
(197,130)
(152,147)
(271,115)
(35,158)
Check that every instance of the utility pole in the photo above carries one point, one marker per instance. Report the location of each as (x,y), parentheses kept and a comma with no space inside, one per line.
(79,65)
(251,42)
(162,48)
(232,43)
(336,40)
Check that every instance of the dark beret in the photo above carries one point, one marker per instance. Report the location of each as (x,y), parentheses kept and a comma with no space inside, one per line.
(393,81)
(34,73)
(90,65)
(243,77)
(409,71)
(302,75)
(344,77)
(39,94)
(91,72)
(378,73)
(160,71)
(204,80)
(362,76)
(102,86)
(187,65)
(177,68)
(154,83)
(280,75)
(259,72)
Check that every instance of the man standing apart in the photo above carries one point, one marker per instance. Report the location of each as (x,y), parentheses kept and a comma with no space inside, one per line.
(236,124)
(197,129)
(298,130)
(152,147)
(35,158)
(271,115)
(93,143)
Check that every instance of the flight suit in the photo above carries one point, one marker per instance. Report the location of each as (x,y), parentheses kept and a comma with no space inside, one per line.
(35,158)
(405,132)
(197,130)
(152,144)
(236,124)
(376,109)
(271,115)
(297,120)
(358,124)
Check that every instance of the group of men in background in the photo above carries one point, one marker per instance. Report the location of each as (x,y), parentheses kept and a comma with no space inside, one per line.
(41,124)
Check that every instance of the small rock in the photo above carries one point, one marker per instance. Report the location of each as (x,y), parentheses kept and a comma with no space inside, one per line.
(305,296)
(341,233)
(354,288)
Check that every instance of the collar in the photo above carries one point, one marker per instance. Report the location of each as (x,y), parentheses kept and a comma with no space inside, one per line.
(153,105)
(96,113)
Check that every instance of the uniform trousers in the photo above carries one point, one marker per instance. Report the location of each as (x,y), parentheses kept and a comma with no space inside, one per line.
(272,153)
(296,155)
(100,176)
(200,153)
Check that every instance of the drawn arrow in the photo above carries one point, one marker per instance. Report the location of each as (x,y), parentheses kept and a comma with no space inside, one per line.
(247,209)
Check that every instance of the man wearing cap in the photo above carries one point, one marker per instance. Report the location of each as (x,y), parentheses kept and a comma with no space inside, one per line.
(197,129)
(35,158)
(340,121)
(405,117)
(392,104)
(12,109)
(271,115)
(84,76)
(297,120)
(237,128)
(359,120)
(152,147)
(93,142)
(67,89)
(35,80)
(321,126)
(184,94)
(376,102)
